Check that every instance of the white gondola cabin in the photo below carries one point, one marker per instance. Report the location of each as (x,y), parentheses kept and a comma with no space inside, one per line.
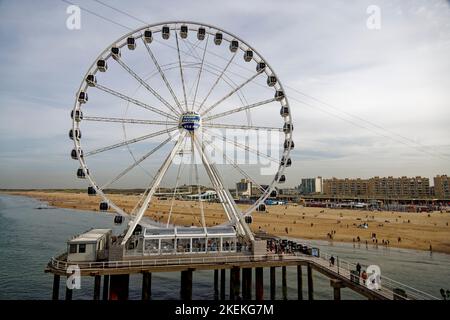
(184,31)
(201,32)
(260,66)
(234,45)
(279,95)
(218,38)
(271,81)
(288,127)
(148,36)
(248,55)
(165,32)
(82,97)
(74,154)
(91,80)
(77,116)
(284,111)
(102,65)
(131,43)
(75,134)
(115,53)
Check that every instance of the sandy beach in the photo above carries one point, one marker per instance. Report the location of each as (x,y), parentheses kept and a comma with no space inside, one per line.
(415,230)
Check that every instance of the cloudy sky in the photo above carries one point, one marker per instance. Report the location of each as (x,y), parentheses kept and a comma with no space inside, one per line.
(365,101)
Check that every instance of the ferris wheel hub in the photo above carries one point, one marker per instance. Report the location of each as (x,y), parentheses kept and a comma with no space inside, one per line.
(190,121)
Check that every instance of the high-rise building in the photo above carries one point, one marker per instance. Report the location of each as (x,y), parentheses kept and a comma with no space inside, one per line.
(442,187)
(311,185)
(385,187)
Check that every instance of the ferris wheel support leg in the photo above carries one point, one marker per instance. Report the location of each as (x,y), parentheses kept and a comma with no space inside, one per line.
(229,204)
(162,171)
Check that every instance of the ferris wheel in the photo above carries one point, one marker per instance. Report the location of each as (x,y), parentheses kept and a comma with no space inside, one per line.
(176,110)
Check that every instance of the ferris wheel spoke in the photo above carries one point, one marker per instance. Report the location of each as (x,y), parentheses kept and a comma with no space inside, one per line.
(131,141)
(239,87)
(134,101)
(163,76)
(202,213)
(244,108)
(181,71)
(235,165)
(154,185)
(132,121)
(200,72)
(145,85)
(240,127)
(216,82)
(135,164)
(177,181)
(240,145)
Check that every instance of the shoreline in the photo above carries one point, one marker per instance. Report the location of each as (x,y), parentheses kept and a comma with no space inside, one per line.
(417,230)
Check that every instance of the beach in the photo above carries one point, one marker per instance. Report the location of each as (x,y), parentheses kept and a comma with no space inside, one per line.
(414,230)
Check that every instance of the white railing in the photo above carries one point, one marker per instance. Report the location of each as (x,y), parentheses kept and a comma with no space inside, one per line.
(388,285)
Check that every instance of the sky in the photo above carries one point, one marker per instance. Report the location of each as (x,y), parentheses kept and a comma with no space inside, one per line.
(365,101)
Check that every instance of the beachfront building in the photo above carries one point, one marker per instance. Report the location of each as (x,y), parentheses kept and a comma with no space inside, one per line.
(311,185)
(442,187)
(378,187)
(244,189)
(208,195)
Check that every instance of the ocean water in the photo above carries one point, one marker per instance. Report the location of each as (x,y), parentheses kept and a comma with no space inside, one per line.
(30,237)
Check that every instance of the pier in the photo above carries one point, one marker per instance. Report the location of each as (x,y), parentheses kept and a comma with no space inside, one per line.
(240,268)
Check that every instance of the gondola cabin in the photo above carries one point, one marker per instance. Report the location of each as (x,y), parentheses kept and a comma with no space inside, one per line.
(131,43)
(148,36)
(104,206)
(248,55)
(234,45)
(218,38)
(201,33)
(271,81)
(260,66)
(286,145)
(91,80)
(115,53)
(282,179)
(261,208)
(75,134)
(81,174)
(165,32)
(77,115)
(102,65)
(284,111)
(248,219)
(184,31)
(287,163)
(89,246)
(279,95)
(91,191)
(288,127)
(74,154)
(82,97)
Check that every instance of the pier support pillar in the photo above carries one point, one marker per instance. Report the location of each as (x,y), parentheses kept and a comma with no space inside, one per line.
(336,285)
(119,287)
(222,284)
(310,283)
(186,285)
(234,283)
(216,284)
(247,283)
(299,283)
(272,283)
(146,285)
(284,282)
(55,294)
(97,286)
(259,284)
(105,287)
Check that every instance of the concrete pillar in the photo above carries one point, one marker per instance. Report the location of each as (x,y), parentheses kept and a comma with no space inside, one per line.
(247,283)
(222,284)
(69,293)
(97,286)
(186,285)
(119,286)
(310,283)
(105,287)
(146,285)
(55,294)
(216,284)
(234,283)
(299,283)
(284,282)
(259,284)
(272,283)
(336,285)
